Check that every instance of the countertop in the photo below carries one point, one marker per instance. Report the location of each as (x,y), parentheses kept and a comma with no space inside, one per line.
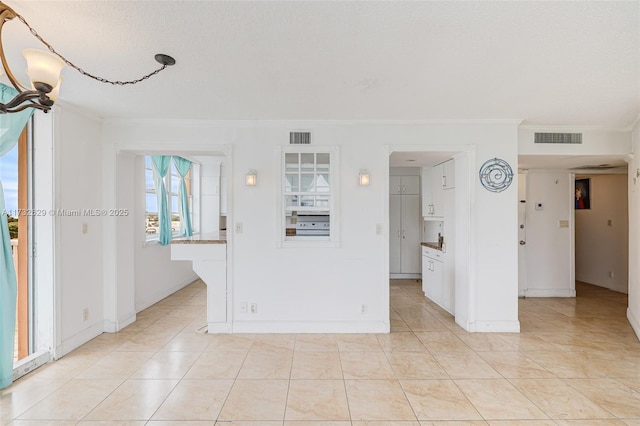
(212,238)
(434,246)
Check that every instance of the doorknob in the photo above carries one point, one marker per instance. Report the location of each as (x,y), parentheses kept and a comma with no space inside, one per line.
(522,242)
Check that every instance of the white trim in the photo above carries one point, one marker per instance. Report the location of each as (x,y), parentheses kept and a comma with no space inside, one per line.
(550,292)
(79,339)
(495,327)
(635,323)
(30,363)
(405,276)
(114,327)
(220,328)
(341,327)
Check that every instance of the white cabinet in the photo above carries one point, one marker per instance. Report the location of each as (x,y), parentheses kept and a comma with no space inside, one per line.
(404,185)
(437,280)
(223,190)
(404,234)
(432,191)
(449,174)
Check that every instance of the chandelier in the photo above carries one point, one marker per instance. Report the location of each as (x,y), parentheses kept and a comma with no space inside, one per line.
(43,69)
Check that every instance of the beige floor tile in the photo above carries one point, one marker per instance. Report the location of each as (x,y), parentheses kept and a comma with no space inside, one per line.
(564,364)
(275,364)
(497,399)
(366,365)
(378,400)
(442,341)
(167,365)
(43,423)
(69,366)
(188,342)
(487,342)
(257,400)
(399,325)
(618,399)
(113,423)
(316,343)
(180,423)
(607,422)
(72,401)
(230,342)
(316,365)
(315,423)
(24,394)
(401,342)
(248,423)
(317,400)
(426,323)
(522,423)
(358,343)
(270,342)
(133,400)
(117,365)
(217,365)
(559,400)
(415,365)
(147,341)
(383,423)
(465,365)
(438,400)
(454,423)
(195,400)
(515,365)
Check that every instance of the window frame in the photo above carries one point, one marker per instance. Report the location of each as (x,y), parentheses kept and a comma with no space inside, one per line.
(333,209)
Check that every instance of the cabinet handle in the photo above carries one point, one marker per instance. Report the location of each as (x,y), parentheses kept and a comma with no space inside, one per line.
(444,181)
(404,188)
(403,234)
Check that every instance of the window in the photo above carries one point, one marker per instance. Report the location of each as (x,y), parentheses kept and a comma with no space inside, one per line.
(172,184)
(309,196)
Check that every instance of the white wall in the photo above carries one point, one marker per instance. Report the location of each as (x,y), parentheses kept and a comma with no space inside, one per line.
(322,289)
(549,247)
(633,312)
(78,185)
(601,248)
(156,275)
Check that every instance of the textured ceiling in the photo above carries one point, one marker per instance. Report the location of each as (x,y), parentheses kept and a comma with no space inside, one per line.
(548,63)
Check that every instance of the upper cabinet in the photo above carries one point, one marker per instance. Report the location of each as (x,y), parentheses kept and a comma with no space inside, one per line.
(435,180)
(404,185)
(449,174)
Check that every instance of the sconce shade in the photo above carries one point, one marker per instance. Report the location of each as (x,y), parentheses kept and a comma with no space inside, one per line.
(251,178)
(43,67)
(364,178)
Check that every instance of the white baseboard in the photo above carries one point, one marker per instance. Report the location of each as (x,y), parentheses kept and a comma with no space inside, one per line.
(114,327)
(156,297)
(219,328)
(79,339)
(311,327)
(547,292)
(635,323)
(405,276)
(494,327)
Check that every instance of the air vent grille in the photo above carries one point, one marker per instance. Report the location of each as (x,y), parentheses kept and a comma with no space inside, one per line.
(299,138)
(565,138)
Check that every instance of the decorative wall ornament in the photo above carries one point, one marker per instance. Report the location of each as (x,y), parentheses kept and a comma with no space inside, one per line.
(496,175)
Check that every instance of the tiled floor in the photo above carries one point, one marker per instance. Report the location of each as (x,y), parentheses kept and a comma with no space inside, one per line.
(576,362)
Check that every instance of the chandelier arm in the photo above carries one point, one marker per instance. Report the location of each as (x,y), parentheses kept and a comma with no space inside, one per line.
(22,107)
(80,70)
(6,14)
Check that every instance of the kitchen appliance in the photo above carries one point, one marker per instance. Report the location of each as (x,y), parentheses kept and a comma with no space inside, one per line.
(313,225)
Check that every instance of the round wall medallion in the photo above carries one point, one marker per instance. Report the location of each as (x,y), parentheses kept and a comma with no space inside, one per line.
(496,175)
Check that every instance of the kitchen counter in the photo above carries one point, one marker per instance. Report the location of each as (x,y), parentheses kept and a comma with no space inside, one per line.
(212,238)
(434,246)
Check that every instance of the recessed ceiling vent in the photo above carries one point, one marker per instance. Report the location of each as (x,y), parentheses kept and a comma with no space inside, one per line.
(299,138)
(596,167)
(570,138)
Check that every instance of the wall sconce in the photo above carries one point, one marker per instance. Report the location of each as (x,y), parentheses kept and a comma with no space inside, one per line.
(363,178)
(251,178)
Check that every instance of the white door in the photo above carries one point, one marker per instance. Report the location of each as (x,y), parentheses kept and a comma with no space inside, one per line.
(411,249)
(522,234)
(395,233)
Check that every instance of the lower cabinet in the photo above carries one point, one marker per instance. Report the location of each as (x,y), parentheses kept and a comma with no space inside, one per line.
(436,284)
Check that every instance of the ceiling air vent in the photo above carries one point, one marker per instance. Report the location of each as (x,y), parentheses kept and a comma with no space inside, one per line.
(299,138)
(558,138)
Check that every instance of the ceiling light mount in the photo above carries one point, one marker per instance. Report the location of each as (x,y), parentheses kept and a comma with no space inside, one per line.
(44,71)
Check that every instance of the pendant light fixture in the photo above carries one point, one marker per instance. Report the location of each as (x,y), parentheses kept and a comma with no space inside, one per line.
(43,69)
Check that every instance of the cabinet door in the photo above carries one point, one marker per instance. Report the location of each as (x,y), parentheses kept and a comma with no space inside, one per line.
(437,190)
(411,235)
(437,273)
(448,287)
(426,278)
(425,186)
(449,173)
(395,233)
(410,185)
(395,185)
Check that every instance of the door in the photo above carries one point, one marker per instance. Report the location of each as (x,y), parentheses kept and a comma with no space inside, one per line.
(395,233)
(410,252)
(522,234)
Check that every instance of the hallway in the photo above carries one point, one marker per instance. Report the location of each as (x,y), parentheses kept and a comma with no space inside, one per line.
(575,360)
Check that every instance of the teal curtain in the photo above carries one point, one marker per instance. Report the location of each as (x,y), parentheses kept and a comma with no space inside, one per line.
(161,167)
(11,125)
(183,166)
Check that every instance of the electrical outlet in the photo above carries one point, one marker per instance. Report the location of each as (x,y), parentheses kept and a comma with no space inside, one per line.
(85,314)
(253,308)
(239,228)
(612,274)
(379,229)
(363,309)
(244,307)
(85,228)
(563,223)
